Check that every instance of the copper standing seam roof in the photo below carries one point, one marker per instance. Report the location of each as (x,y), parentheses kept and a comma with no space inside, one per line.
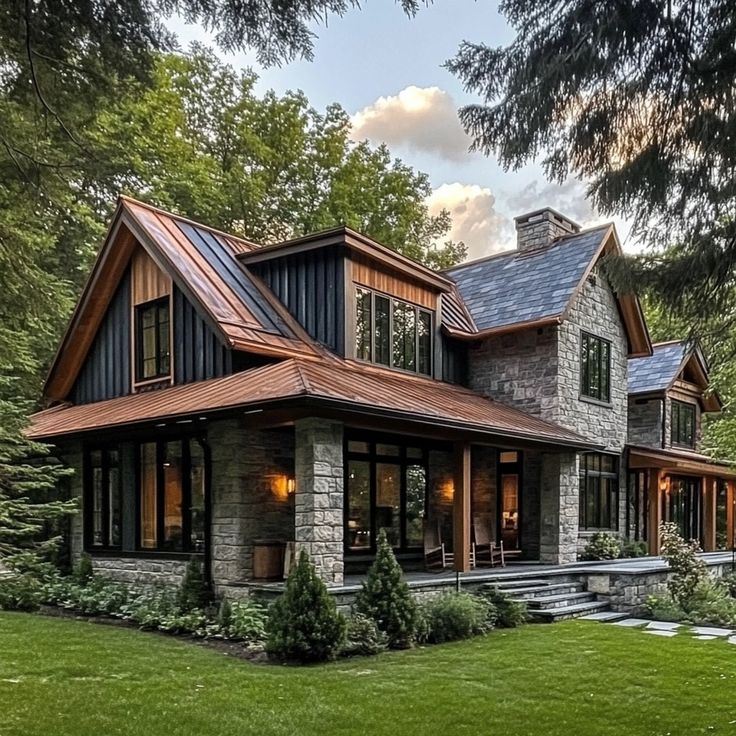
(339,384)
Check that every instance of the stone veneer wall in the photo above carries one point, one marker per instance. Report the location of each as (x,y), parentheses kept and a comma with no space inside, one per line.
(559,508)
(531,520)
(645,422)
(319,515)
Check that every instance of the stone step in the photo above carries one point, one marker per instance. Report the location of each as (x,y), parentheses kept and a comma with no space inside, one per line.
(515,583)
(543,590)
(550,615)
(564,600)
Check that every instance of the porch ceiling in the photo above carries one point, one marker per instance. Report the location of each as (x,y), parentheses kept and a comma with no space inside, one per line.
(692,463)
(351,387)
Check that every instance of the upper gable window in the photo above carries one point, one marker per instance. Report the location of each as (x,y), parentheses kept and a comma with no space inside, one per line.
(392,332)
(683,424)
(152,341)
(595,367)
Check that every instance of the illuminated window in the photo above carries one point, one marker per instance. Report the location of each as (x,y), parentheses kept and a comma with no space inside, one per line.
(153,356)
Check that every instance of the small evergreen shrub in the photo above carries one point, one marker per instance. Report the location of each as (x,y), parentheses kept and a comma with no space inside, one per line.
(602,546)
(454,616)
(385,597)
(664,608)
(304,624)
(23,581)
(194,592)
(630,548)
(509,613)
(688,569)
(83,571)
(363,637)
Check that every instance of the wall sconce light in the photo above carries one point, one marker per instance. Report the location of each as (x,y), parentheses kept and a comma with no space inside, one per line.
(664,485)
(290,486)
(282,485)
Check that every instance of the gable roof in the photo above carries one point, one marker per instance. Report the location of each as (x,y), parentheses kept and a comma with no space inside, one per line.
(516,290)
(202,264)
(658,372)
(335,385)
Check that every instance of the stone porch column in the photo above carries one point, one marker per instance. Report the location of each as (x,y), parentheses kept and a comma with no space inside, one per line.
(319,499)
(559,508)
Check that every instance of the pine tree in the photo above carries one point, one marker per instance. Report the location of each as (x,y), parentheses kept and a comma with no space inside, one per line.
(29,508)
(385,597)
(304,623)
(194,591)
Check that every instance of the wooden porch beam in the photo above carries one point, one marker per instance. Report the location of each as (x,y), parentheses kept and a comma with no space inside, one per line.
(729,513)
(709,514)
(461,509)
(655,508)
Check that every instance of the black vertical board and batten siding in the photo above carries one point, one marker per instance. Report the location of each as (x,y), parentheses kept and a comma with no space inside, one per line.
(106,374)
(312,287)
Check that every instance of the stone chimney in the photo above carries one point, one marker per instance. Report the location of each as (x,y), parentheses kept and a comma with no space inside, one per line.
(540,228)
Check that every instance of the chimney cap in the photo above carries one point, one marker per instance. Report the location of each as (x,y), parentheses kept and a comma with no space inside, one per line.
(547,213)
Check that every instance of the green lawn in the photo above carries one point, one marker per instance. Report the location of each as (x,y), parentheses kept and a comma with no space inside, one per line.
(61,677)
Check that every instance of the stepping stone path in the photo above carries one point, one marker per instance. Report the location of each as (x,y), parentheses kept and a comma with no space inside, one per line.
(666,629)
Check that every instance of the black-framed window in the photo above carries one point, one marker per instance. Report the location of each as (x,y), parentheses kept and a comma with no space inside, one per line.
(172,481)
(152,341)
(103,508)
(683,424)
(392,332)
(385,488)
(595,367)
(637,506)
(598,491)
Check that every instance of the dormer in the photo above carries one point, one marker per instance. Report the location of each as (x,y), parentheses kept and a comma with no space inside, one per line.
(668,395)
(358,298)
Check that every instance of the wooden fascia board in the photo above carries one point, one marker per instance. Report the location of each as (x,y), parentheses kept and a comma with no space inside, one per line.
(640,458)
(503,329)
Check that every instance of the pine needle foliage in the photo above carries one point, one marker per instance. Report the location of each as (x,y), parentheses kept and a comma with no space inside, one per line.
(385,597)
(304,624)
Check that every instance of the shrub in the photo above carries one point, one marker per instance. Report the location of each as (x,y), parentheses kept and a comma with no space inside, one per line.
(385,597)
(304,623)
(664,608)
(630,548)
(710,603)
(20,592)
(194,592)
(729,583)
(83,570)
(454,616)
(602,546)
(363,637)
(422,632)
(247,623)
(509,612)
(687,568)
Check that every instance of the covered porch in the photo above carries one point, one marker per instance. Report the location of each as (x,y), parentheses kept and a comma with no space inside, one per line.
(682,487)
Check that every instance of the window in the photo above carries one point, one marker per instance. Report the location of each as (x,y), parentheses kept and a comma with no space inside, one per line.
(683,424)
(392,332)
(386,488)
(595,367)
(153,358)
(598,492)
(102,499)
(172,495)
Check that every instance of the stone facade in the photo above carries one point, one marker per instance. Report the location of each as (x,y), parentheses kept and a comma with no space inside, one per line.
(645,422)
(319,516)
(559,508)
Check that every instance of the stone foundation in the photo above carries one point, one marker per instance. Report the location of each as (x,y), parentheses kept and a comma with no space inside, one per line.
(140,571)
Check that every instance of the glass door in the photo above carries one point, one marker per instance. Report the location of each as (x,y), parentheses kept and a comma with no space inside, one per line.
(509,499)
(683,505)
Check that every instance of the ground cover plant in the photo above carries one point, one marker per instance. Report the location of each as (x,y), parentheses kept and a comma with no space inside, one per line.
(70,678)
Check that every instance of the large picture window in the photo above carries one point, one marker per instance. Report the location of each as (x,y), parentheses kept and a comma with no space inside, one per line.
(598,491)
(392,332)
(152,343)
(683,424)
(103,517)
(595,367)
(386,488)
(172,495)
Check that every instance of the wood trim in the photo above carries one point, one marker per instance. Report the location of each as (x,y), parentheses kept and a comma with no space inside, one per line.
(730,488)
(461,508)
(655,509)
(709,514)
(503,330)
(148,281)
(394,284)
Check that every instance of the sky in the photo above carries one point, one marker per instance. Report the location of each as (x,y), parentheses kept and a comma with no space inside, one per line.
(387,71)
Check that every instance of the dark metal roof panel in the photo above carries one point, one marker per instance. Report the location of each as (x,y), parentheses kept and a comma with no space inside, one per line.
(520,287)
(657,371)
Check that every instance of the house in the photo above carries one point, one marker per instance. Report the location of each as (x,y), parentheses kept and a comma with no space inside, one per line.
(216,398)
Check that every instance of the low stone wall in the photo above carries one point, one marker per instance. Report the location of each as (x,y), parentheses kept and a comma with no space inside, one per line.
(140,571)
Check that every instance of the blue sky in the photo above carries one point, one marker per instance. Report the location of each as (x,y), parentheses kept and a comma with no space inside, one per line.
(387,71)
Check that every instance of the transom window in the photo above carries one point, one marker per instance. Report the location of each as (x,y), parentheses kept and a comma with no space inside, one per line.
(153,353)
(683,424)
(392,332)
(103,520)
(385,488)
(171,503)
(598,491)
(595,367)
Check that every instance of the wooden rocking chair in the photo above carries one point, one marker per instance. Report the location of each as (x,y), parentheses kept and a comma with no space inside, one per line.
(484,550)
(435,554)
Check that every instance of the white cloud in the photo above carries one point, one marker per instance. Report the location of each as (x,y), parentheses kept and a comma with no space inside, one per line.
(475,220)
(419,118)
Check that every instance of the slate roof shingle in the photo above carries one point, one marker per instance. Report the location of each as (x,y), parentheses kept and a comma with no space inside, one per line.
(657,371)
(515,287)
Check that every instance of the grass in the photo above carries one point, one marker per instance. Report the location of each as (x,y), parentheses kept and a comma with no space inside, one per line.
(60,677)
